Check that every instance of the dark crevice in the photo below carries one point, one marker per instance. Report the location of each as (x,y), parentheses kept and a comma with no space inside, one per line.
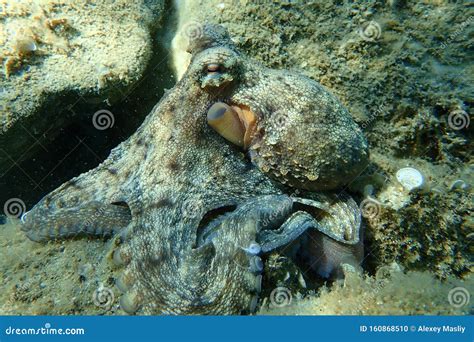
(121,204)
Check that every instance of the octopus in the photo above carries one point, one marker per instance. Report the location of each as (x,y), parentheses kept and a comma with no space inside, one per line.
(235,162)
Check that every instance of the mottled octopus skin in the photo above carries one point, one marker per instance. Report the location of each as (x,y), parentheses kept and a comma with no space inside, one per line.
(159,192)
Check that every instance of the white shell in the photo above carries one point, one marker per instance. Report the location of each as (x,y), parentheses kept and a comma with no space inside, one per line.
(410,178)
(31,46)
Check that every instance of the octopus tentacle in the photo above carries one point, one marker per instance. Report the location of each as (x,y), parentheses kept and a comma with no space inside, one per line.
(95,203)
(224,252)
(326,231)
(93,218)
(338,238)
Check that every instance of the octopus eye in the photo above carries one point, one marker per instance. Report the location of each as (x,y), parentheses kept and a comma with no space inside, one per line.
(213,68)
(219,74)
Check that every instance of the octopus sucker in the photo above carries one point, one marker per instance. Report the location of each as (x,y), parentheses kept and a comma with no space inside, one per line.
(201,250)
(125,281)
(129,302)
(120,257)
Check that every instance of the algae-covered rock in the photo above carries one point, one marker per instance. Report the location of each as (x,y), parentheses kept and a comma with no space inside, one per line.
(427,228)
(56,53)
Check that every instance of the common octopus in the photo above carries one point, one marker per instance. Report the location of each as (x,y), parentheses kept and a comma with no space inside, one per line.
(205,188)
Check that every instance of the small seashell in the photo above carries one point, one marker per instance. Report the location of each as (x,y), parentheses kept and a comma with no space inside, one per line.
(410,178)
(26,46)
(458,184)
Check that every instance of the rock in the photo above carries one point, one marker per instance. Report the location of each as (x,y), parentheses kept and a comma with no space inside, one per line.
(55,53)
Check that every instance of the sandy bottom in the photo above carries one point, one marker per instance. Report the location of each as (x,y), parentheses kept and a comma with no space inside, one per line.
(77,277)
